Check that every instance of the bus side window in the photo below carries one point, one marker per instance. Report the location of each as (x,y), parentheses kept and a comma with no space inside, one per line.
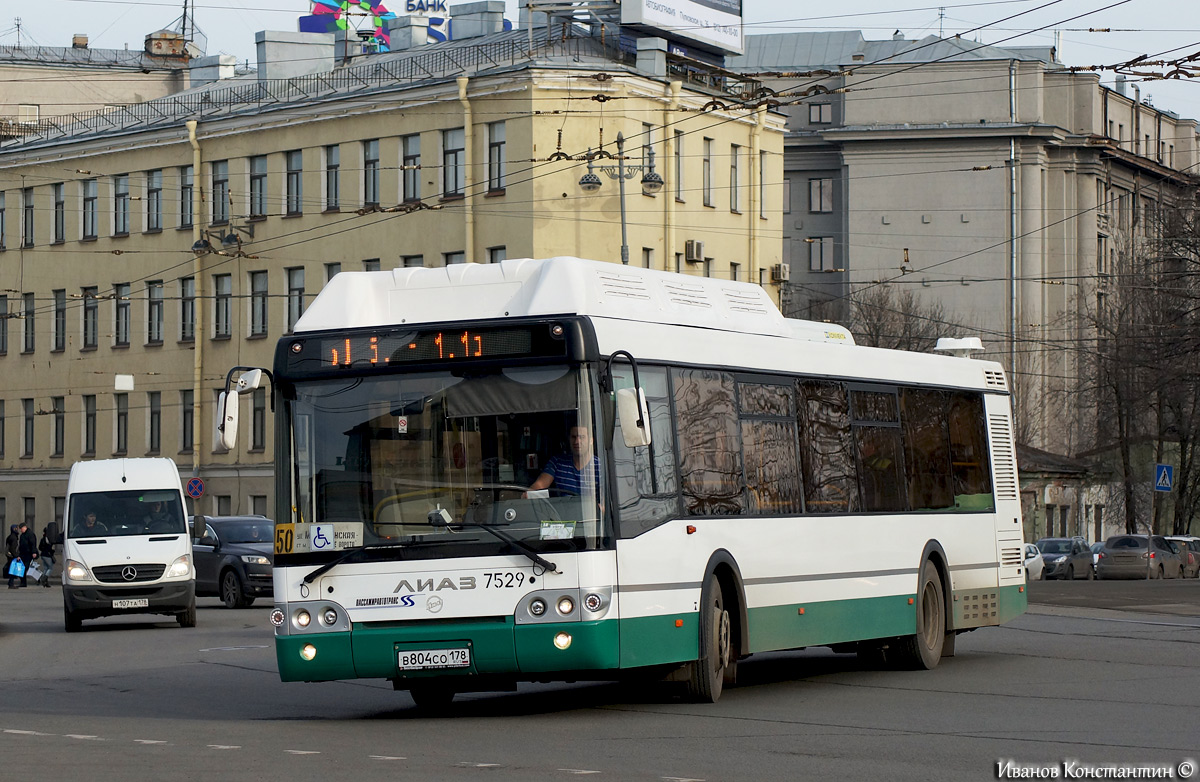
(646,498)
(710,447)
(826,445)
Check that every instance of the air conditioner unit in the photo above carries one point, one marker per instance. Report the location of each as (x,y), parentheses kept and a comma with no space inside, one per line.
(693,251)
(781,272)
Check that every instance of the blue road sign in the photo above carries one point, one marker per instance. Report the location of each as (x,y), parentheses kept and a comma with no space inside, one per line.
(1164,477)
(195,488)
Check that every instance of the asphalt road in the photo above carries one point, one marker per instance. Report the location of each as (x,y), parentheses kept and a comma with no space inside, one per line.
(1100,672)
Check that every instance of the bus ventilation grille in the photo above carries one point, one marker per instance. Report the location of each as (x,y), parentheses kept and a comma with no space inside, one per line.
(994,379)
(979,606)
(752,304)
(1005,460)
(1011,557)
(623,286)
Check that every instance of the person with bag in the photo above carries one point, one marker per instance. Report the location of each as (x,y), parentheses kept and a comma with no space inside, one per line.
(27,549)
(46,549)
(11,550)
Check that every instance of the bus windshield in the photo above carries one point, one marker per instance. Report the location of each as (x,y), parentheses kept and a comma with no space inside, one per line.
(440,457)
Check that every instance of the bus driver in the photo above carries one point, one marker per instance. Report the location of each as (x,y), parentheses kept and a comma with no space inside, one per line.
(574,472)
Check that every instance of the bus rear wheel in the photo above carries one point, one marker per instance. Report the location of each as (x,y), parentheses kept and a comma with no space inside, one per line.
(923,648)
(706,676)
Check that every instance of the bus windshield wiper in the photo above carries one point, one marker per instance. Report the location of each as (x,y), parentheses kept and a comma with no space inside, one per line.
(440,518)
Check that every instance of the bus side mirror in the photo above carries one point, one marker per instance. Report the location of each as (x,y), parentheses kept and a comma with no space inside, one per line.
(249,381)
(227,420)
(634,415)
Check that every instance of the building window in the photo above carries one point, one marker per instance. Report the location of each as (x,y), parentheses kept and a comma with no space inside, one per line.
(223,504)
(706,180)
(58,405)
(28,316)
(258,186)
(258,419)
(89,425)
(186,419)
(820,113)
(220,191)
(258,505)
(497,254)
(410,180)
(735,271)
(89,209)
(27,217)
(121,205)
(496,181)
(153,421)
(371,265)
(27,429)
(333,184)
(60,212)
(154,200)
(735,157)
(452,258)
(454,170)
(412,261)
(187,309)
(294,186)
(3,233)
(121,320)
(222,304)
(678,167)
(121,423)
(295,296)
(762,184)
(154,312)
(60,320)
(371,172)
(787,196)
(820,254)
(258,304)
(332,270)
(820,195)
(91,318)
(647,257)
(185,197)
(1,449)
(4,324)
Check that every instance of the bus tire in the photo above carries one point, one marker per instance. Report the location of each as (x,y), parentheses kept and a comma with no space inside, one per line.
(431,696)
(923,648)
(706,676)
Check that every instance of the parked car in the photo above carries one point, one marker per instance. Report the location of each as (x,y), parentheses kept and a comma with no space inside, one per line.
(1035,568)
(1068,558)
(1126,556)
(233,557)
(1097,547)
(1189,553)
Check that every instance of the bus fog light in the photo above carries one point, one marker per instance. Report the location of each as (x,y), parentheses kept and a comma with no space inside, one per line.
(329,617)
(565,606)
(303,618)
(593,602)
(537,606)
(308,651)
(562,640)
(277,617)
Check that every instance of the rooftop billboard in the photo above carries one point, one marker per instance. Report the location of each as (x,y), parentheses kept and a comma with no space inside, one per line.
(714,24)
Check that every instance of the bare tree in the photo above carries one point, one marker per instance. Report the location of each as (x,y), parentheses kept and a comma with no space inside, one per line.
(884,317)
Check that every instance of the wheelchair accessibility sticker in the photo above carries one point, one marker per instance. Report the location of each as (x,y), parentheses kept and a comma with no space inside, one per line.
(298,538)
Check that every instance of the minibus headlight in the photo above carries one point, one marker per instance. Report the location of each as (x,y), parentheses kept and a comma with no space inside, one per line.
(180,567)
(76,571)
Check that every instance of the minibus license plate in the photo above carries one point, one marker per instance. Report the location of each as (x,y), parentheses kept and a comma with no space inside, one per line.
(132,602)
(426,659)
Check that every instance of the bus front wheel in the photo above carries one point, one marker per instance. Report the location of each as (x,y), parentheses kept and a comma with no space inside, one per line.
(923,648)
(706,676)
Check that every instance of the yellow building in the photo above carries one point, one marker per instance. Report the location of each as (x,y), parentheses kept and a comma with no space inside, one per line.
(468,151)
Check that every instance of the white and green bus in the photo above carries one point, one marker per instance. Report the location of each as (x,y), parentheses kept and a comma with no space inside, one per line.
(745,483)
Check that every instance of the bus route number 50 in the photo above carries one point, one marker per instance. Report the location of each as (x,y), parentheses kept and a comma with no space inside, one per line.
(285,536)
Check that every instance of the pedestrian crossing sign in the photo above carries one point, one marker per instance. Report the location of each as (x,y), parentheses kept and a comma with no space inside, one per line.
(1164,477)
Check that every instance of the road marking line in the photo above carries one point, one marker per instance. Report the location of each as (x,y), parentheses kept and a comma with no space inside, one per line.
(682,779)
(468,764)
(149,741)
(29,732)
(302,752)
(578,771)
(232,648)
(223,746)
(386,757)
(82,737)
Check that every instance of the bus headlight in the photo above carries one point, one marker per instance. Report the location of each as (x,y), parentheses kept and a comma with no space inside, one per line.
(562,640)
(277,617)
(565,605)
(593,602)
(76,571)
(308,651)
(303,618)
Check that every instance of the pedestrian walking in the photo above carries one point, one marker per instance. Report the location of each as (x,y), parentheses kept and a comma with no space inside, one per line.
(27,549)
(12,547)
(46,549)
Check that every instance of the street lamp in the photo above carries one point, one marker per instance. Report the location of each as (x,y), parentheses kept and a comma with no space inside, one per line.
(651,182)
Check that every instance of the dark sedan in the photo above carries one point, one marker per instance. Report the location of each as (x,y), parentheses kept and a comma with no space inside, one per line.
(1068,558)
(234,557)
